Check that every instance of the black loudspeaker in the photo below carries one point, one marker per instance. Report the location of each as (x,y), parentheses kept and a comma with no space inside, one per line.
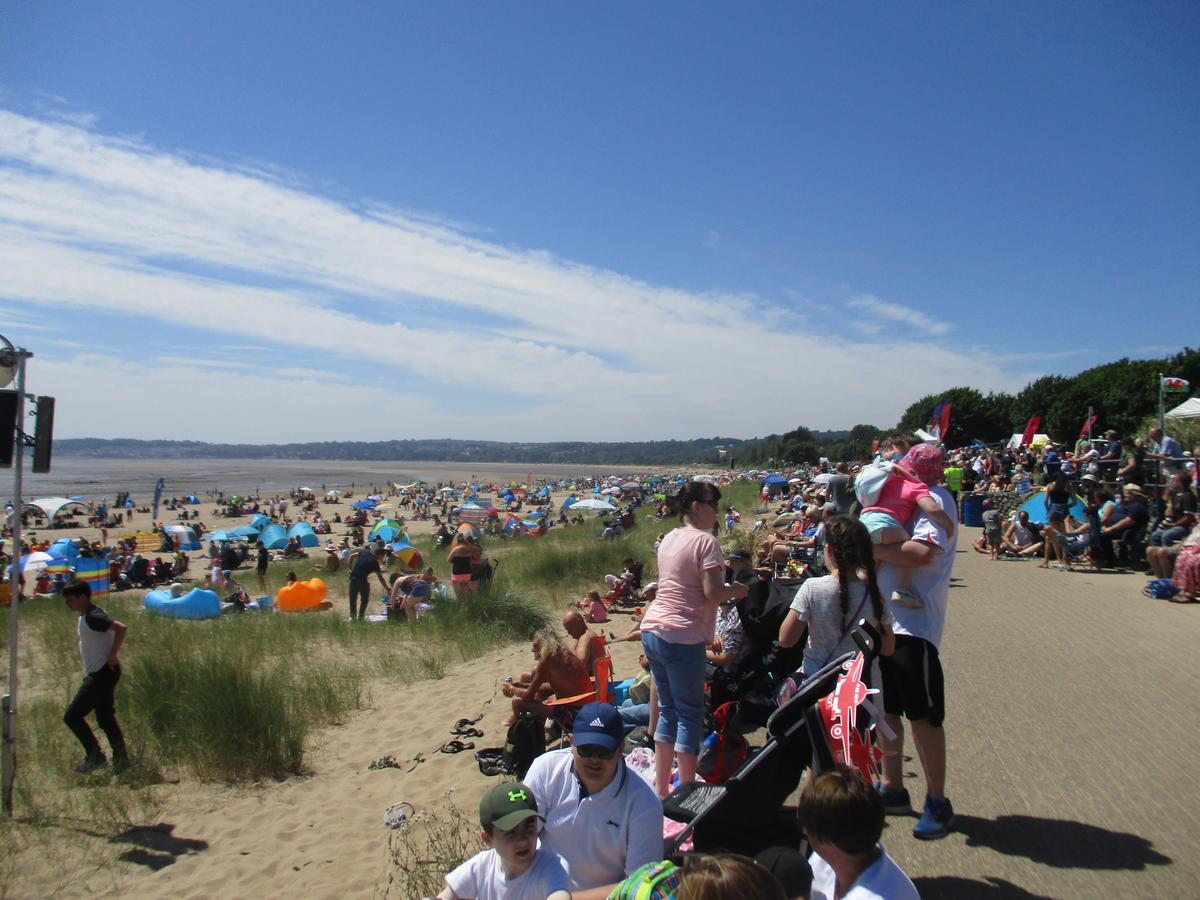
(8,427)
(43,434)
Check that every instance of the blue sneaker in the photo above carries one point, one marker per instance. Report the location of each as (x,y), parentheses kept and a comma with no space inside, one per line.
(936,820)
(896,801)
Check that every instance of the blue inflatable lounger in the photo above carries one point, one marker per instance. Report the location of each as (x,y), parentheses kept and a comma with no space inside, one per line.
(197,603)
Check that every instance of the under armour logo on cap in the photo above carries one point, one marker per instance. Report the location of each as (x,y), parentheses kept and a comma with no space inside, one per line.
(514,796)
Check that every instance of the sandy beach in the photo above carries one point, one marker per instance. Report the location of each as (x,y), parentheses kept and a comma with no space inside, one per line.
(1056,724)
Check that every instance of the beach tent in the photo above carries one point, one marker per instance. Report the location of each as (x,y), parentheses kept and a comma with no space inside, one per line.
(364,504)
(1035,505)
(219,536)
(1188,409)
(51,507)
(304,531)
(181,536)
(244,531)
(386,529)
(273,537)
(1014,442)
(260,521)
(774,479)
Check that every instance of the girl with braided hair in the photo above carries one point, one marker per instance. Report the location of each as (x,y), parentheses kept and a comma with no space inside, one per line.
(830,605)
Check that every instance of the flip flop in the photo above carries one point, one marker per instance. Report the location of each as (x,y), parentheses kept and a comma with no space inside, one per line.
(457,746)
(467,732)
(464,723)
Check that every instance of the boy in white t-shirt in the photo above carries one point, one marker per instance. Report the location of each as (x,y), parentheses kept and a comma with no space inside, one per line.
(843,820)
(513,868)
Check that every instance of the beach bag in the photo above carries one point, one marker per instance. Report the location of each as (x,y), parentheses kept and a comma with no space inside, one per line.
(1160,589)
(870,481)
(526,741)
(725,749)
(653,881)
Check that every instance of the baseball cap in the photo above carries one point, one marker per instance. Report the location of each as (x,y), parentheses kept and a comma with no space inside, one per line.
(600,725)
(507,805)
(652,586)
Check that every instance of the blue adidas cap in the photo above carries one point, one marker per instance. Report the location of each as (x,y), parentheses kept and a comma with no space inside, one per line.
(600,725)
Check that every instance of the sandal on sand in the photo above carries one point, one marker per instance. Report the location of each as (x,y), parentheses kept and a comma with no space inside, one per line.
(464,723)
(397,814)
(457,746)
(468,732)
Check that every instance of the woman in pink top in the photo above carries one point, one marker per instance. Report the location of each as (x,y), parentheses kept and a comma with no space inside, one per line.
(679,626)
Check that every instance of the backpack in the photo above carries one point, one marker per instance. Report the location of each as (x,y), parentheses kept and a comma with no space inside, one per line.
(526,741)
(653,881)
(725,748)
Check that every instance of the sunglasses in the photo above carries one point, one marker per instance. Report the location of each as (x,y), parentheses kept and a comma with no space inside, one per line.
(590,751)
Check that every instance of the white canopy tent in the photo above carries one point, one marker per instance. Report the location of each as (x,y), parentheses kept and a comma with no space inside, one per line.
(1188,409)
(52,506)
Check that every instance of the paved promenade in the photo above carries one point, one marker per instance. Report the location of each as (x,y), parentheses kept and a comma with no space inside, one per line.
(1072,704)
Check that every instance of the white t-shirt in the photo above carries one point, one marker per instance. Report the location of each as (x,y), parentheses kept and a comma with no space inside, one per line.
(601,838)
(931,581)
(95,639)
(482,876)
(882,880)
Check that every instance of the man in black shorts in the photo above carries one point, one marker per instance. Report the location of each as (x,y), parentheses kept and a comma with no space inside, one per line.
(912,676)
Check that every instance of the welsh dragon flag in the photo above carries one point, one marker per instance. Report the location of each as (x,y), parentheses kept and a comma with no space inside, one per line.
(1172,385)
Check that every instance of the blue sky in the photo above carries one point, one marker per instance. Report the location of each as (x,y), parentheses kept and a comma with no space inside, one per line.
(545,221)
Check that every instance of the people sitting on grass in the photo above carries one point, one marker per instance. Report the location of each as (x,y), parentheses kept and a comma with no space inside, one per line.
(593,608)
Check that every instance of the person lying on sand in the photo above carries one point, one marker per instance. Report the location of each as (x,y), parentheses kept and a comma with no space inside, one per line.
(558,673)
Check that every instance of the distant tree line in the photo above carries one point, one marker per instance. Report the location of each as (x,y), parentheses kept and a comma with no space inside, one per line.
(1122,394)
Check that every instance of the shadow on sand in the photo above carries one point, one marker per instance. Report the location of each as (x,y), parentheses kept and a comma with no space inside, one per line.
(952,888)
(155,847)
(1061,843)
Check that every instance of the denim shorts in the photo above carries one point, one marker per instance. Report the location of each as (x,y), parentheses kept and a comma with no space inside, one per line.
(678,671)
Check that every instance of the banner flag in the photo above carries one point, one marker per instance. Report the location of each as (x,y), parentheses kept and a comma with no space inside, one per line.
(1031,428)
(1086,430)
(1175,385)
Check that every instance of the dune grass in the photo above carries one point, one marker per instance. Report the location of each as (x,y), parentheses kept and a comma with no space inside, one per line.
(237,699)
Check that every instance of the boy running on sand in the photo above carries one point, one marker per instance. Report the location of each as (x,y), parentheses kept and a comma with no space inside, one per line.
(513,868)
(100,640)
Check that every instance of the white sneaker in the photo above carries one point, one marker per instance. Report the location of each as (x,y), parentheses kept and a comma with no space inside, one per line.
(908,599)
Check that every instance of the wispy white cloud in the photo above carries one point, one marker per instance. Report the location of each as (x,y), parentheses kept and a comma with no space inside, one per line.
(107,226)
(896,313)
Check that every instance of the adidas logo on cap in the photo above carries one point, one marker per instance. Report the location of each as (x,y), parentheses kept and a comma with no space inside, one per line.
(596,722)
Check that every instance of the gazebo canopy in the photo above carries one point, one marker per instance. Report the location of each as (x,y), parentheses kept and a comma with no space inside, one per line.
(52,506)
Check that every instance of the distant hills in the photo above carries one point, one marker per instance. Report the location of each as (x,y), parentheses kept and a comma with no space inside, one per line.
(700,451)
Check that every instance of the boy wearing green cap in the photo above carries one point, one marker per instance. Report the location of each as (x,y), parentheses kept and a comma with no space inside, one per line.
(513,868)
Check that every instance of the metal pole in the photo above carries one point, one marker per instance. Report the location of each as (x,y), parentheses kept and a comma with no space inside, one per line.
(9,771)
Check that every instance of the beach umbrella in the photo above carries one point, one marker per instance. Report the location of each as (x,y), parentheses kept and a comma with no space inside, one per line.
(34,561)
(246,531)
(569,502)
(378,498)
(409,556)
(260,521)
(364,504)
(63,548)
(631,486)
(822,478)
(599,505)
(333,494)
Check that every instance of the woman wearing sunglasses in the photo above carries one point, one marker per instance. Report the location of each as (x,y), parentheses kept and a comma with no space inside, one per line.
(681,624)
